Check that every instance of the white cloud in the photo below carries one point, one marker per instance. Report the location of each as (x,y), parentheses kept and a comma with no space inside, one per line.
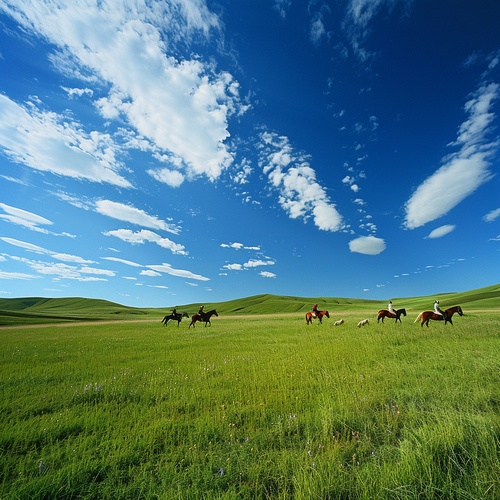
(463,172)
(128,213)
(267,274)
(258,263)
(150,272)
(441,231)
(492,216)
(239,246)
(4,275)
(358,16)
(317,29)
(181,273)
(233,267)
(144,235)
(291,175)
(23,218)
(367,245)
(172,178)
(180,106)
(52,143)
(123,261)
(23,244)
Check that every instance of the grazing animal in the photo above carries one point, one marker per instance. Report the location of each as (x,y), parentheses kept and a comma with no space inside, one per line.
(174,317)
(363,322)
(339,322)
(319,315)
(204,316)
(426,316)
(384,313)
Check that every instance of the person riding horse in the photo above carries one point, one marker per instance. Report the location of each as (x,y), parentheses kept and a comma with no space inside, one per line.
(437,310)
(315,311)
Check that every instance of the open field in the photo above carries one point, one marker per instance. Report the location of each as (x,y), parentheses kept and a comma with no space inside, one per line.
(253,407)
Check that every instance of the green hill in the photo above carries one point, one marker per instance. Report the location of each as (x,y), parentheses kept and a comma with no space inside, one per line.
(30,310)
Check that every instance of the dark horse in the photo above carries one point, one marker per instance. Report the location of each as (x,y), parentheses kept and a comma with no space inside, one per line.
(384,313)
(204,316)
(175,317)
(426,316)
(319,315)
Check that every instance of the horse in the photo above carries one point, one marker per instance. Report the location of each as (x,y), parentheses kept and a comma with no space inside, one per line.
(175,317)
(363,322)
(319,315)
(204,316)
(338,322)
(426,316)
(384,313)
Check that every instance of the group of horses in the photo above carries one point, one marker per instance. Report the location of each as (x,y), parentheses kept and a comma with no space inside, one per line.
(202,317)
(424,316)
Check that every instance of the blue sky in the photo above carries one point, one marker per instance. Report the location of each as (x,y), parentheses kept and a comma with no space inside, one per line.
(157,153)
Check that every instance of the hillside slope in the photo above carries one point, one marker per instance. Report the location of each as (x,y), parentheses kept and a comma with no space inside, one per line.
(28,310)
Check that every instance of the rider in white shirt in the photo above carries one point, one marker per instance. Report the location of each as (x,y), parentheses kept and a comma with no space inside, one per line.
(437,310)
(390,307)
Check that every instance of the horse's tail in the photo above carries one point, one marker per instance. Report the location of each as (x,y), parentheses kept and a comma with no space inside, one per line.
(418,317)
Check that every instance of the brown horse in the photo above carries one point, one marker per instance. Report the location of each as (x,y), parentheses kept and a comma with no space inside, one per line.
(426,316)
(319,315)
(384,313)
(204,316)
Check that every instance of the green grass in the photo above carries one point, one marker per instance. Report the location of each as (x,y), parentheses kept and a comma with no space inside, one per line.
(254,407)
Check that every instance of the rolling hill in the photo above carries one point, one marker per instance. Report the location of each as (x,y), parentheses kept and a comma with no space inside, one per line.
(31,310)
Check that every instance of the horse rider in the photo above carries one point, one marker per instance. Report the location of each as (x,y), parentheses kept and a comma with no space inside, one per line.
(437,310)
(390,307)
(315,310)
(200,312)
(174,311)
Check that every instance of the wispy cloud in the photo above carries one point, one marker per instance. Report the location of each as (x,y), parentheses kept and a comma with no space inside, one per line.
(441,231)
(239,246)
(24,218)
(28,220)
(128,213)
(267,274)
(123,261)
(290,174)
(181,273)
(462,172)
(179,107)
(492,216)
(143,236)
(54,143)
(359,14)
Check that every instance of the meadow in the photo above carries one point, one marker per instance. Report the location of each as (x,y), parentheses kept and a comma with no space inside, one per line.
(255,406)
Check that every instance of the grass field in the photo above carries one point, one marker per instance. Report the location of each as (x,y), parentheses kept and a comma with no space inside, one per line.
(256,406)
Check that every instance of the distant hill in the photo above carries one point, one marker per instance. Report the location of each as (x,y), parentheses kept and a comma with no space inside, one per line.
(481,298)
(27,310)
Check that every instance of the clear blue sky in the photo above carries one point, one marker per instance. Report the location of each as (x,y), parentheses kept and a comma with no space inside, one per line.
(156,153)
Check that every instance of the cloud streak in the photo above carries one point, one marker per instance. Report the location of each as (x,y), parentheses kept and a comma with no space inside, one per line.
(463,172)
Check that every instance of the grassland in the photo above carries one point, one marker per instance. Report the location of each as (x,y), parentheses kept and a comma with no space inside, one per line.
(256,406)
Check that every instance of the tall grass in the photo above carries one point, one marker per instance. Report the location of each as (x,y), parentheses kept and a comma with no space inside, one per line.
(259,407)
